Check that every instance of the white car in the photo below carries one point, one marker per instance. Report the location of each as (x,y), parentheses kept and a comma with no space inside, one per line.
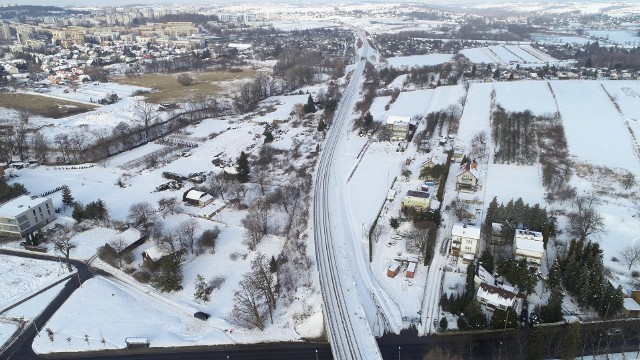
(396,237)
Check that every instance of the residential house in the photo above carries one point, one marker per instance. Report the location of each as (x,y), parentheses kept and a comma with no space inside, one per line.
(630,308)
(198,198)
(467,177)
(496,298)
(131,239)
(24,215)
(418,200)
(398,126)
(529,245)
(464,241)
(212,209)
(154,255)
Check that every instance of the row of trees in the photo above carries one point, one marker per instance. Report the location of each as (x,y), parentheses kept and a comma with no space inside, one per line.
(517,213)
(513,135)
(582,272)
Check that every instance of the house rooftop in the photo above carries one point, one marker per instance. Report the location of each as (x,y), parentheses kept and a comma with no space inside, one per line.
(391,119)
(496,296)
(529,245)
(155,253)
(419,194)
(194,195)
(630,304)
(465,231)
(19,205)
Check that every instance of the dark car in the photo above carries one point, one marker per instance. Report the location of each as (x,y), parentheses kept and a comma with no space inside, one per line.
(201,315)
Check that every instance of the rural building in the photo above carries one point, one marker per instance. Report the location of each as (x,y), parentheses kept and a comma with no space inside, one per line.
(398,126)
(154,255)
(137,342)
(132,238)
(630,308)
(418,200)
(212,209)
(24,215)
(483,276)
(392,271)
(464,241)
(493,298)
(391,195)
(411,270)
(529,245)
(198,198)
(467,177)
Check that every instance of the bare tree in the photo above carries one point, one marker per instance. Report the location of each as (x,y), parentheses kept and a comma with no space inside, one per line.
(20,133)
(148,114)
(630,254)
(118,245)
(62,244)
(170,242)
(219,185)
(377,232)
(418,239)
(256,223)
(170,205)
(265,281)
(248,308)
(186,231)
(185,79)
(585,220)
(143,214)
(261,176)
(40,146)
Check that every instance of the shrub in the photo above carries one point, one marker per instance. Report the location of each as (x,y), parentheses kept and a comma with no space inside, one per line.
(142,276)
(185,79)
(635,273)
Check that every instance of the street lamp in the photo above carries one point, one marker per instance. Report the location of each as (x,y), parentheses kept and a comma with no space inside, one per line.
(316,354)
(399,352)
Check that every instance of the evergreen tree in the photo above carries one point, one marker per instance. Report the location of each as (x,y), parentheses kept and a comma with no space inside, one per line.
(169,276)
(469,289)
(268,136)
(444,324)
(201,292)
(492,212)
(78,212)
(487,261)
(570,344)
(321,125)
(310,106)
(242,167)
(273,265)
(67,198)
(502,319)
(368,120)
(394,223)
(475,318)
(536,344)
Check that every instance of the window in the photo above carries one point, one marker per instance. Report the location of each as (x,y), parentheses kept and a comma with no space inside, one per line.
(34,212)
(47,205)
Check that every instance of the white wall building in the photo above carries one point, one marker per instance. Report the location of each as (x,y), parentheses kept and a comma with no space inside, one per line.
(529,245)
(24,215)
(464,241)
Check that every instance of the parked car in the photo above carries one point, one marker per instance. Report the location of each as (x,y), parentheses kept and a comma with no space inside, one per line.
(201,315)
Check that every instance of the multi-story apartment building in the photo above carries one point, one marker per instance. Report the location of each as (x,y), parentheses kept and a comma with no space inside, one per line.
(24,215)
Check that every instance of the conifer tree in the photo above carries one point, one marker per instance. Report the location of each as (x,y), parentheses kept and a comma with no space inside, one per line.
(242,167)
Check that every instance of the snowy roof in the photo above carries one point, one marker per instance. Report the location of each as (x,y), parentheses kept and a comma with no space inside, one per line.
(496,227)
(130,235)
(155,253)
(394,267)
(213,207)
(391,119)
(485,276)
(465,231)
(230,170)
(239,46)
(206,197)
(496,296)
(419,194)
(529,245)
(411,267)
(194,195)
(470,167)
(534,235)
(630,304)
(19,205)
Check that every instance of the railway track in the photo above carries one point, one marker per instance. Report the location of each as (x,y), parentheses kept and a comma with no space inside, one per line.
(345,326)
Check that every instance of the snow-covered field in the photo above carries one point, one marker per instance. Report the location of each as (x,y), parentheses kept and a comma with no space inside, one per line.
(22,277)
(419,60)
(505,54)
(6,330)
